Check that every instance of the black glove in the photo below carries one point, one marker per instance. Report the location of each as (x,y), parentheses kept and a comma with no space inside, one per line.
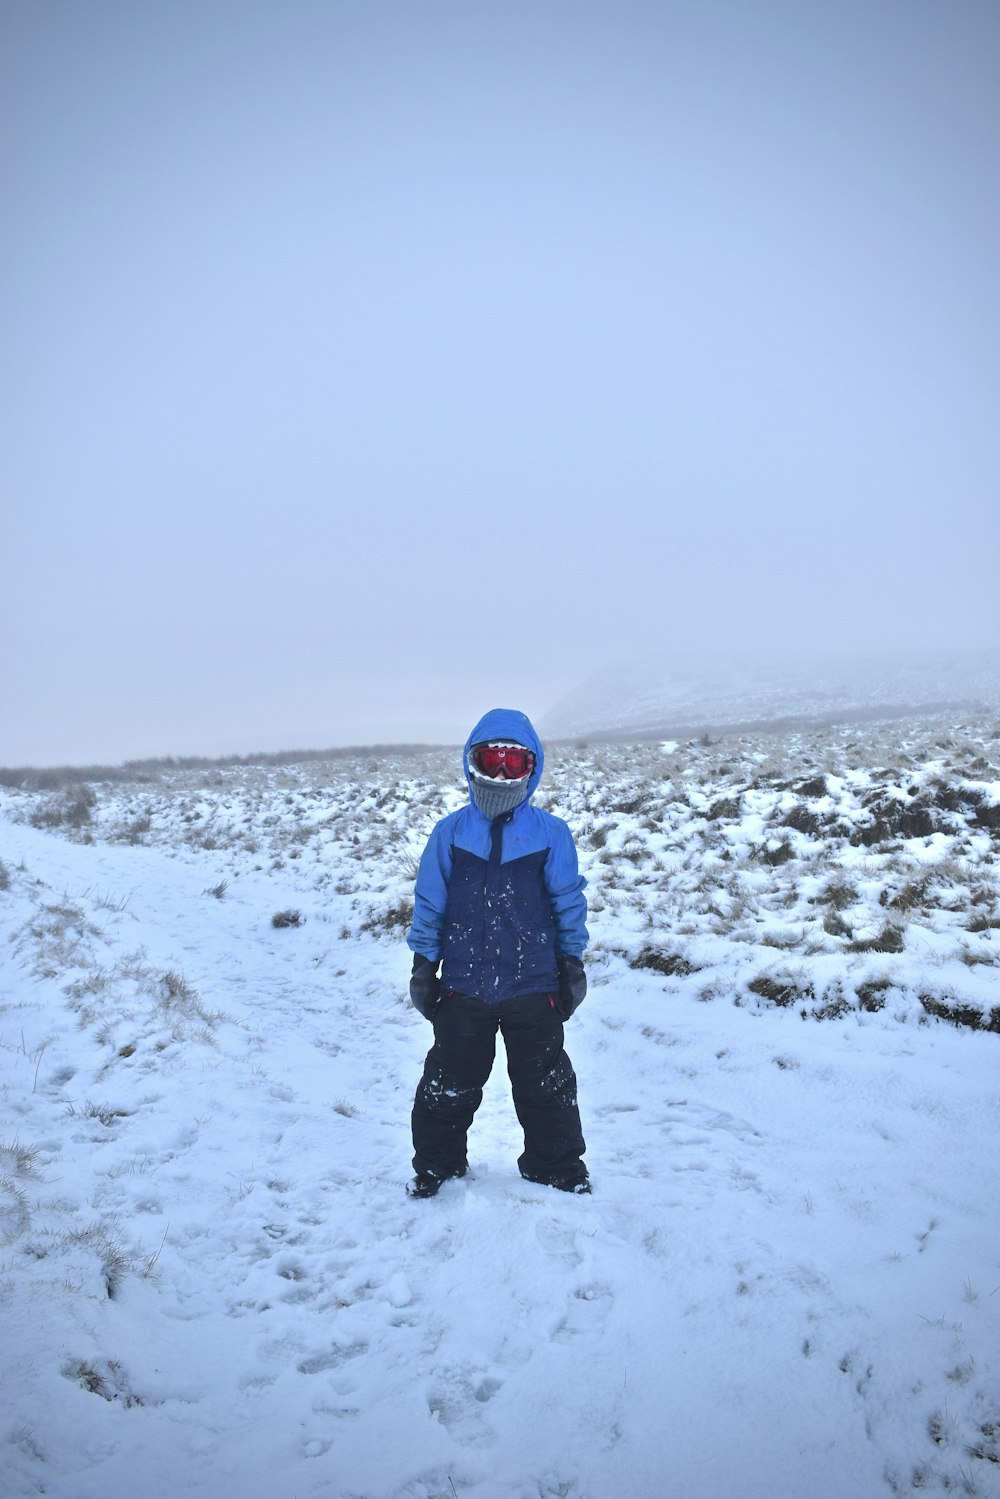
(425,986)
(572,984)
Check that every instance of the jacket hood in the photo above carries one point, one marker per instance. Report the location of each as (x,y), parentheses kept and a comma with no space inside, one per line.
(507,723)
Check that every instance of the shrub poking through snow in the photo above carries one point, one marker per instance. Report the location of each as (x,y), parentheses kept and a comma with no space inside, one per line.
(834,1004)
(392,922)
(889,939)
(960,1012)
(672,964)
(840,894)
(727,807)
(780,854)
(104,1377)
(872,994)
(782,989)
(72,809)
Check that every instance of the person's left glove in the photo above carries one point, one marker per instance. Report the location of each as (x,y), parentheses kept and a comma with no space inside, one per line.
(425,986)
(572,984)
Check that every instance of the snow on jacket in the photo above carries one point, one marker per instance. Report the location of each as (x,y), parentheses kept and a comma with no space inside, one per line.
(499,902)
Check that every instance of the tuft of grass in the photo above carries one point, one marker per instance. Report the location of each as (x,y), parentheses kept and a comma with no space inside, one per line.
(988,1449)
(872,994)
(835,1003)
(802,820)
(839,894)
(835,926)
(973,958)
(911,898)
(107,1379)
(775,857)
(115,1261)
(104,1114)
(782,989)
(86,1373)
(957,1012)
(672,964)
(398,918)
(175,993)
(726,809)
(21,1159)
(72,809)
(889,939)
(14,1208)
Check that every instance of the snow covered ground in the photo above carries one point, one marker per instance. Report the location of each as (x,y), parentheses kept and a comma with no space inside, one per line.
(787,1281)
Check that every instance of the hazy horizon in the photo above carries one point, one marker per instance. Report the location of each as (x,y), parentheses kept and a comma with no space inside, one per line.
(693,695)
(367,365)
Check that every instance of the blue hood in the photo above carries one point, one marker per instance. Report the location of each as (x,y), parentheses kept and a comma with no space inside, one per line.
(507,723)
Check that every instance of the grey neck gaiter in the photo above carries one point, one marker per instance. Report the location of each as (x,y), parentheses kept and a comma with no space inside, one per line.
(495,798)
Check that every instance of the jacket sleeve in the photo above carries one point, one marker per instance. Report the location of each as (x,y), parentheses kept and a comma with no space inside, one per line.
(430,894)
(565,885)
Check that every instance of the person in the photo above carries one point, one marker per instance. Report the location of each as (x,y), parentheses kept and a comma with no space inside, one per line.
(499,904)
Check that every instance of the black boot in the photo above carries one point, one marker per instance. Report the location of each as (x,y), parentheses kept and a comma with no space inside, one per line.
(426,1184)
(579,1184)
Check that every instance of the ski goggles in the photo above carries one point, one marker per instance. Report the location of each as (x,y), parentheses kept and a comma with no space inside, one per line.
(511,761)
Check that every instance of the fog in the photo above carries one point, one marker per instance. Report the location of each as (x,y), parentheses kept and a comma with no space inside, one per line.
(365,365)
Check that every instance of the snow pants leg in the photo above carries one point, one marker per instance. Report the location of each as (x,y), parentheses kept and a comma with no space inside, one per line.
(542,1081)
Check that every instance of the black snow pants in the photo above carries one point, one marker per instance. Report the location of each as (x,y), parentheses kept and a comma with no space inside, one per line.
(542,1081)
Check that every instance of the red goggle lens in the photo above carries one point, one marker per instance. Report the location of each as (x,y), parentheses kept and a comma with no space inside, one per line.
(510,760)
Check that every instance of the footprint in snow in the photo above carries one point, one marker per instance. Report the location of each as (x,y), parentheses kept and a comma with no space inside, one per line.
(299,1287)
(331,1358)
(560,1242)
(458,1398)
(587,1311)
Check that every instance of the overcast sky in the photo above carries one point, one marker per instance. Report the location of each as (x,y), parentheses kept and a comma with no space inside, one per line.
(369,363)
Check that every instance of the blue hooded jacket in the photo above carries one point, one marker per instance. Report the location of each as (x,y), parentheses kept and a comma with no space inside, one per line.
(498,902)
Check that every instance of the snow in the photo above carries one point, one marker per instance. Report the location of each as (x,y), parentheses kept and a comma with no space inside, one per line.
(787,1281)
(644,697)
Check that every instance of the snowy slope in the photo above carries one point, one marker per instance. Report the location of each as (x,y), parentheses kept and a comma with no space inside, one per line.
(787,1281)
(680,696)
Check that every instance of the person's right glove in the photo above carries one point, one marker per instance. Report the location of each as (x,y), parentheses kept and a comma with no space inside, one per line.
(572,984)
(425,986)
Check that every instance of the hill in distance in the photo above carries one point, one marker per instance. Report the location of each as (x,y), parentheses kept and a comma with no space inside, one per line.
(665,699)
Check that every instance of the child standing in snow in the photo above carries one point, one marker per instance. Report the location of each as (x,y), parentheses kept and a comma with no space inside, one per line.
(499,904)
